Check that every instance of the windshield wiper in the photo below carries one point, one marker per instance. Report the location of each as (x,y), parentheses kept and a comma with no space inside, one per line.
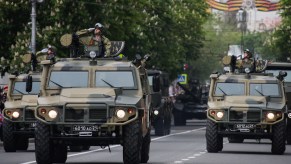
(57,84)
(108,83)
(222,91)
(260,92)
(19,91)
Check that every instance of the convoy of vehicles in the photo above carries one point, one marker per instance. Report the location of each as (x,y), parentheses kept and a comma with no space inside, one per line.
(19,122)
(161,103)
(246,106)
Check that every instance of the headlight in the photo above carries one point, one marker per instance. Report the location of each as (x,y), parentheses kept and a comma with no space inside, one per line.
(289,115)
(52,114)
(92,54)
(219,115)
(156,112)
(15,114)
(270,116)
(120,113)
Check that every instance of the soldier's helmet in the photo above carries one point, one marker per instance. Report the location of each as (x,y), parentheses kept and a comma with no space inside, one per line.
(248,52)
(52,48)
(99,26)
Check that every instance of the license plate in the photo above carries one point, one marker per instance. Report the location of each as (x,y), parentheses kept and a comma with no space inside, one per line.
(87,128)
(244,126)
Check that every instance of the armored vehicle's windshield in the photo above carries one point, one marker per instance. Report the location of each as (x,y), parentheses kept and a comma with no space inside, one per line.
(20,86)
(227,89)
(259,89)
(79,79)
(123,79)
(68,79)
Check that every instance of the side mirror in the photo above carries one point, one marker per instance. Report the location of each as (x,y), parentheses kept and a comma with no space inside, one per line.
(281,75)
(28,86)
(156,83)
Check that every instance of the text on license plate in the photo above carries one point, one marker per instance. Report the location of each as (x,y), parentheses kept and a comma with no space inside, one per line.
(85,128)
(244,126)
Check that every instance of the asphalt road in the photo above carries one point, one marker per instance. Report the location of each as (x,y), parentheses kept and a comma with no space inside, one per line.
(185,144)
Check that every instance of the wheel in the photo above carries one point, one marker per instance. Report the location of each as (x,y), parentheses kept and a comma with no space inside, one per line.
(145,149)
(86,147)
(45,151)
(132,142)
(21,143)
(179,118)
(60,153)
(213,140)
(220,143)
(160,127)
(76,148)
(9,140)
(43,147)
(235,140)
(288,132)
(279,138)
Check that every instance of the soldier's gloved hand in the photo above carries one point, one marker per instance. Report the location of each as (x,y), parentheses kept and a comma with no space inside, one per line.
(91,29)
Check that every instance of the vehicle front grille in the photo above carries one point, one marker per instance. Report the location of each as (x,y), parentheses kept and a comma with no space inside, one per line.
(248,115)
(96,113)
(29,115)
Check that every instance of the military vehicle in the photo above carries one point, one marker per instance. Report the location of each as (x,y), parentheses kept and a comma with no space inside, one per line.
(190,104)
(2,101)
(19,120)
(161,103)
(275,68)
(244,105)
(94,102)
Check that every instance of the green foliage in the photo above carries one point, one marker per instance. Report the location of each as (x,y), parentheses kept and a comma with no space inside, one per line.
(170,31)
(283,33)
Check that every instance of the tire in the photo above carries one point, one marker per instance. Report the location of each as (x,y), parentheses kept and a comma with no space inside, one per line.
(145,149)
(213,140)
(21,143)
(179,119)
(76,148)
(288,132)
(45,151)
(60,153)
(160,127)
(220,143)
(86,147)
(279,138)
(132,142)
(9,140)
(235,140)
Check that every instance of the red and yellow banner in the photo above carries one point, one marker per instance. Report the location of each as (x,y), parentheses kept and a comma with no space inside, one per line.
(234,5)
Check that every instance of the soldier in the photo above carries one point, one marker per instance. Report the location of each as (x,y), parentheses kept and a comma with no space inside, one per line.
(51,53)
(247,54)
(98,39)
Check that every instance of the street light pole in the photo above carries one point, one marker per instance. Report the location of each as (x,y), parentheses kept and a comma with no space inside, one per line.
(242,15)
(33,22)
(33,27)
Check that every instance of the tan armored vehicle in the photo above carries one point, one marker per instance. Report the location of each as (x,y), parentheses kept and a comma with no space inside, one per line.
(93,102)
(275,68)
(19,120)
(246,106)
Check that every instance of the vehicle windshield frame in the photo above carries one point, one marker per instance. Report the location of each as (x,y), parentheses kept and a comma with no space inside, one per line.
(22,88)
(116,75)
(67,77)
(228,90)
(263,92)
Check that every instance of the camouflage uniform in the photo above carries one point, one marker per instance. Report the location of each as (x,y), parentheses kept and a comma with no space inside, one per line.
(104,44)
